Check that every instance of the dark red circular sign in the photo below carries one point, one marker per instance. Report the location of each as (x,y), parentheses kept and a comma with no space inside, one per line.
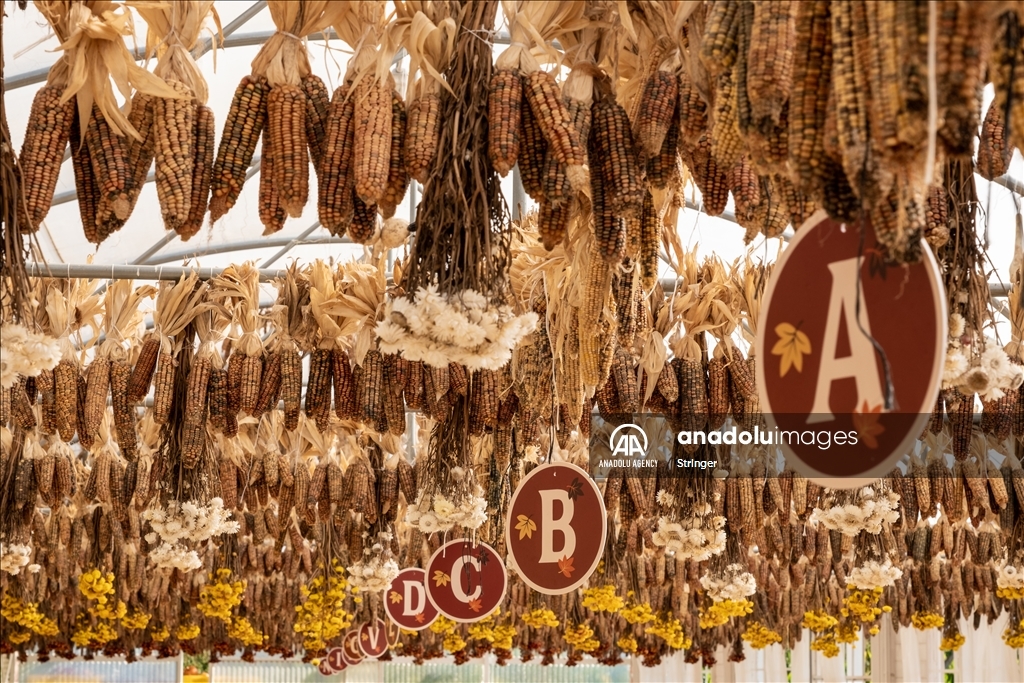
(335,661)
(350,650)
(821,380)
(325,667)
(373,638)
(555,528)
(406,602)
(466,581)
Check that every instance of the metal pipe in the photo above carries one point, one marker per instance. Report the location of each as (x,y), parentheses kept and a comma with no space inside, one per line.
(246,245)
(996,290)
(130,272)
(39,75)
(291,243)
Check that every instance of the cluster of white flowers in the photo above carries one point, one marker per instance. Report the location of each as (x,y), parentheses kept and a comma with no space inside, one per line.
(736,584)
(168,556)
(698,537)
(187,521)
(373,575)
(25,354)
(873,574)
(464,328)
(14,557)
(443,514)
(989,374)
(869,513)
(1010,577)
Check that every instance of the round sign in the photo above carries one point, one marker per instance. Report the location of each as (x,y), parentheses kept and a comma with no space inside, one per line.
(555,528)
(827,351)
(393,631)
(350,650)
(466,581)
(335,660)
(406,603)
(373,639)
(325,667)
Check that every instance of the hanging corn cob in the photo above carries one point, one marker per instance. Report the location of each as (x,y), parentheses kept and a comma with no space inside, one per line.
(177,305)
(237,288)
(242,128)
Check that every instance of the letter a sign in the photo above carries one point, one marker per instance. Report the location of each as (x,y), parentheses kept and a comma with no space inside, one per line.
(834,313)
(406,600)
(555,528)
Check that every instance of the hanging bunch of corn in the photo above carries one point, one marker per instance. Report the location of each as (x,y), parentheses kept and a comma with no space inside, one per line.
(518,82)
(177,305)
(210,326)
(292,334)
(183,127)
(92,39)
(692,308)
(121,319)
(723,319)
(430,41)
(749,283)
(237,290)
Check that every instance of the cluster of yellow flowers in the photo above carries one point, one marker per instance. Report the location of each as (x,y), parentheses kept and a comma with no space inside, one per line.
(720,612)
(627,644)
(638,614)
(453,642)
(187,631)
(1014,636)
(240,629)
(818,621)
(160,635)
(19,637)
(603,599)
(109,610)
(499,636)
(760,636)
(926,620)
(442,625)
(28,616)
(582,638)
(863,604)
(1011,593)
(321,617)
(846,632)
(136,621)
(216,600)
(86,636)
(671,631)
(539,618)
(952,642)
(826,644)
(95,586)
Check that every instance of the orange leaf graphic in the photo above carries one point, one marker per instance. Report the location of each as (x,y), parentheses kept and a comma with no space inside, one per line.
(791,347)
(440,578)
(475,605)
(395,597)
(565,567)
(866,423)
(420,618)
(526,527)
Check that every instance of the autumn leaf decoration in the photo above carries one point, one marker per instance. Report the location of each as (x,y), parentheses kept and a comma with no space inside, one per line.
(575,488)
(420,618)
(866,422)
(526,527)
(395,597)
(565,567)
(475,605)
(440,578)
(791,347)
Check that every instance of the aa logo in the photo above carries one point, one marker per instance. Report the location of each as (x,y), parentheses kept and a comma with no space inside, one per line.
(625,441)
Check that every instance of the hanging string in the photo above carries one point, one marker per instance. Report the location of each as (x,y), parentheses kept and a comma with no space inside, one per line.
(933,95)
(889,398)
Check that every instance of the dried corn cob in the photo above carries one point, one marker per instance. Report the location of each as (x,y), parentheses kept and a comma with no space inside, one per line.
(553,223)
(663,167)
(422,134)
(656,111)
(145,365)
(202,171)
(65,397)
(217,398)
(251,373)
(318,104)
(107,154)
(291,385)
(318,390)
(370,391)
(345,405)
(398,175)
(812,72)
(96,398)
(746,194)
(82,386)
(711,179)
(372,142)
(242,128)
(718,393)
(364,221)
(718,49)
(22,414)
(612,147)
(770,59)
(286,116)
(163,388)
(47,399)
(85,181)
(272,213)
(139,152)
(334,202)
(47,134)
(198,382)
(532,153)
(609,227)
(124,411)
(542,94)
(693,116)
(994,151)
(504,100)
(627,388)
(270,386)
(173,127)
